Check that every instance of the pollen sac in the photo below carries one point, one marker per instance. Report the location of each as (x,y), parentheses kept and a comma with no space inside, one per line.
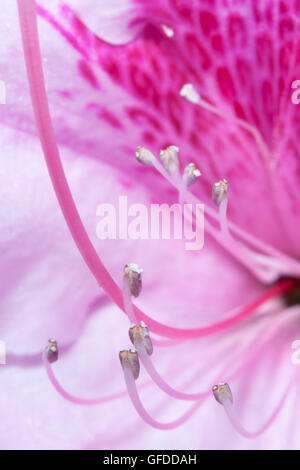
(219,191)
(169,32)
(51,350)
(144,156)
(130,358)
(169,158)
(191,174)
(222,393)
(189,92)
(133,274)
(140,334)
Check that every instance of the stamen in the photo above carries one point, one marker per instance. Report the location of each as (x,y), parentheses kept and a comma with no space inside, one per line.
(265,268)
(51,351)
(135,399)
(222,394)
(169,32)
(265,272)
(220,191)
(287,264)
(140,335)
(66,395)
(224,397)
(129,358)
(133,275)
(132,285)
(255,350)
(170,160)
(235,249)
(220,199)
(190,174)
(144,156)
(189,92)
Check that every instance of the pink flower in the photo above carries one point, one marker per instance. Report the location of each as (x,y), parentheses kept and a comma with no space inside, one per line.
(114,73)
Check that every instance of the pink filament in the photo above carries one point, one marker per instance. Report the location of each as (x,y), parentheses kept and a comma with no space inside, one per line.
(155,376)
(240,122)
(281,287)
(270,329)
(292,266)
(223,217)
(251,435)
(76,400)
(224,238)
(165,343)
(252,352)
(256,352)
(28,22)
(260,346)
(127,301)
(135,399)
(244,235)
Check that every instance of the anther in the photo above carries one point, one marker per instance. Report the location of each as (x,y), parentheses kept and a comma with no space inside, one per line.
(133,274)
(188,91)
(144,156)
(51,350)
(222,394)
(190,174)
(169,158)
(129,358)
(219,191)
(169,32)
(139,334)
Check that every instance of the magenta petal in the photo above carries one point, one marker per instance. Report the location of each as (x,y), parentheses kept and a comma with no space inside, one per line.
(115,21)
(132,93)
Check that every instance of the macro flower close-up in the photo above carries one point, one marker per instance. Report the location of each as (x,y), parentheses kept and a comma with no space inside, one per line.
(150,209)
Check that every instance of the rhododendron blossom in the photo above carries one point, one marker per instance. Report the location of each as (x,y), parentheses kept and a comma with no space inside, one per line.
(145,342)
